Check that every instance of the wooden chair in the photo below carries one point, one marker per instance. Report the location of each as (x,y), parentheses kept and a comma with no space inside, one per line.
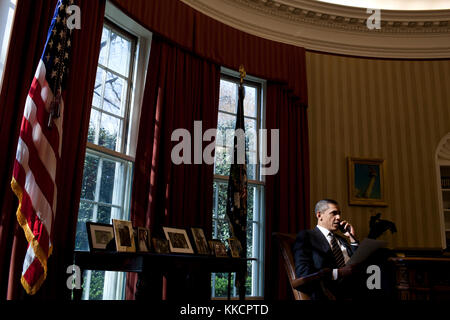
(285,242)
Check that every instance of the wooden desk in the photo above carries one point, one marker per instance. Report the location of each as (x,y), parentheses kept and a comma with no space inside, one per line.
(422,278)
(155,264)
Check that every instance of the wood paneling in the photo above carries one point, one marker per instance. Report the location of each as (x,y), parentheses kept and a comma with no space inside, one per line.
(397,110)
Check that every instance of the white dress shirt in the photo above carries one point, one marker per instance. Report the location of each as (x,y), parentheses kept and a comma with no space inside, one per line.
(327,233)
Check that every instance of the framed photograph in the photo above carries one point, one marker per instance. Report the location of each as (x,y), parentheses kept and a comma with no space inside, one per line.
(124,234)
(178,240)
(366,182)
(160,245)
(99,235)
(201,245)
(235,247)
(218,248)
(143,239)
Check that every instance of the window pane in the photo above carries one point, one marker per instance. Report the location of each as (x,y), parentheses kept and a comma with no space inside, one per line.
(251,165)
(115,92)
(250,239)
(96,284)
(222,204)
(221,282)
(110,129)
(84,215)
(225,129)
(250,102)
(107,181)
(223,231)
(98,88)
(250,202)
(119,54)
(248,281)
(93,126)
(89,177)
(250,134)
(214,229)
(214,200)
(104,214)
(227,98)
(104,47)
(222,161)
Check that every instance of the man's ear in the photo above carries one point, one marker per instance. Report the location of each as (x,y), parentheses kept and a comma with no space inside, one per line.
(318,215)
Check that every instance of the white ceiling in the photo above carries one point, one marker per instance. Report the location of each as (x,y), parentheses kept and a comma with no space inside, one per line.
(395,4)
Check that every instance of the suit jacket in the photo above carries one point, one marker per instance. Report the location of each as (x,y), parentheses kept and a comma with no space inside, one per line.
(312,253)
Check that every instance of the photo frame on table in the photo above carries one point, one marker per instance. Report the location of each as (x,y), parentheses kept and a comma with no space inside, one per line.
(124,234)
(99,235)
(366,182)
(201,244)
(143,242)
(178,240)
(218,248)
(160,245)
(235,247)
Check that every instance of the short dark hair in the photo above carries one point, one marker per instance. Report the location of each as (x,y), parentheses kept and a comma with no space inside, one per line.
(322,205)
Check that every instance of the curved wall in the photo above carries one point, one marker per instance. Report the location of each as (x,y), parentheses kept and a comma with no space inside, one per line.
(391,109)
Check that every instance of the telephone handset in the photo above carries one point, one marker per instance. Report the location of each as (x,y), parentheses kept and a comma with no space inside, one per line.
(342,229)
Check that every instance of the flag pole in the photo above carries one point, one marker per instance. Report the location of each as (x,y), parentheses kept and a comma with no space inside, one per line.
(237,183)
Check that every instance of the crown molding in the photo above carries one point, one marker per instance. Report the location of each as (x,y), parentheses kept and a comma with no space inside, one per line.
(336,29)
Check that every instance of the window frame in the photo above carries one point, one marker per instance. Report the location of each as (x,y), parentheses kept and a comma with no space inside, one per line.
(125,26)
(258,183)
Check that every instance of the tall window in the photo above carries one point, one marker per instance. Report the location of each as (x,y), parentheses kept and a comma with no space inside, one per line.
(223,154)
(108,165)
(7,8)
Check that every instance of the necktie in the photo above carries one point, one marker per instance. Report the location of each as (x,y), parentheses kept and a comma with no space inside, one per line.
(337,252)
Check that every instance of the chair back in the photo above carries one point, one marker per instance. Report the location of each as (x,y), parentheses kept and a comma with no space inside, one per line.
(285,242)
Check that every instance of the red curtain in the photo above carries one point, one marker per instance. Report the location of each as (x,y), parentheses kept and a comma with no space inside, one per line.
(180,89)
(28,39)
(287,192)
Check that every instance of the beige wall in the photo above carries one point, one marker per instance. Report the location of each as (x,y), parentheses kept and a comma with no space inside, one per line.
(395,110)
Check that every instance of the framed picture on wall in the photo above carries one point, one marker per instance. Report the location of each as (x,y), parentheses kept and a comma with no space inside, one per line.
(366,182)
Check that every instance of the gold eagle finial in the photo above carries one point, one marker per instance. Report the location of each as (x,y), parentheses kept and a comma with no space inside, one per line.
(242,73)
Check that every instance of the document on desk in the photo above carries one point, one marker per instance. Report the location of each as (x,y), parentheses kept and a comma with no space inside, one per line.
(365,249)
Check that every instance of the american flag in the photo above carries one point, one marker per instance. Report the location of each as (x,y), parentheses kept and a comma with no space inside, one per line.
(39,150)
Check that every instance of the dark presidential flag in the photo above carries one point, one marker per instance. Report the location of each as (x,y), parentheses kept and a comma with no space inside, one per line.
(237,183)
(38,152)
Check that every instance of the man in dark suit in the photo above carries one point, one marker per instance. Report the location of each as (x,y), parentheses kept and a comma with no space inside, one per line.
(321,249)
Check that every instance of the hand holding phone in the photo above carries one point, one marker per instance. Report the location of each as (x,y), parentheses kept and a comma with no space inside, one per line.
(343,229)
